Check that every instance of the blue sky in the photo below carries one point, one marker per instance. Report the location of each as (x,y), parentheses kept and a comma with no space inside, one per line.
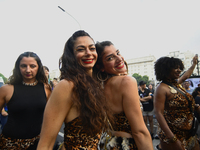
(137,27)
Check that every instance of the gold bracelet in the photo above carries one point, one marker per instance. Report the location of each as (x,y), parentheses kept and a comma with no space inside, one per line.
(171,140)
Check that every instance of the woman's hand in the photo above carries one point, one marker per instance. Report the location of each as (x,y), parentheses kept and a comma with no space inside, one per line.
(195,59)
(4,113)
(177,145)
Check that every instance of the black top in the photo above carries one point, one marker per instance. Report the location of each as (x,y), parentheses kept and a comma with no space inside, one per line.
(145,93)
(197,101)
(147,105)
(25,112)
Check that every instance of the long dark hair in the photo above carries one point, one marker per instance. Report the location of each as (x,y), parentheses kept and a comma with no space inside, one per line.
(87,95)
(16,77)
(100,46)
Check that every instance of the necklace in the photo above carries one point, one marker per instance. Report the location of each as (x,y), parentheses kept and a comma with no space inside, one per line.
(30,84)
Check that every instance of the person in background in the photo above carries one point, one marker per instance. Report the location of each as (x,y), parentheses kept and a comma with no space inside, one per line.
(25,95)
(46,71)
(77,100)
(186,85)
(4,116)
(196,95)
(146,98)
(110,70)
(151,89)
(172,107)
(4,112)
(55,82)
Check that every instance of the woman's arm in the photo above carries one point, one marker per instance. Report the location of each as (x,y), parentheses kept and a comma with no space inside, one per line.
(56,110)
(189,72)
(6,92)
(47,91)
(131,107)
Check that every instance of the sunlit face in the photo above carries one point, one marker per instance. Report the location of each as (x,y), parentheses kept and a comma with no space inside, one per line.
(113,61)
(175,73)
(28,68)
(85,52)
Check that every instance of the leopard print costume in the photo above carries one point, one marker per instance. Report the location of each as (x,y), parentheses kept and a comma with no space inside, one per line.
(77,139)
(179,118)
(16,144)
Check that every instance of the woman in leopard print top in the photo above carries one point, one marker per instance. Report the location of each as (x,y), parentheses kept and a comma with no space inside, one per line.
(171,107)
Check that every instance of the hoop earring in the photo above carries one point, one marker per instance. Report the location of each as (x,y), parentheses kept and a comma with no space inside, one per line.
(99,77)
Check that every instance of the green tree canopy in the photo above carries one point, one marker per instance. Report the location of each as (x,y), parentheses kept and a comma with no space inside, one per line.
(4,78)
(139,78)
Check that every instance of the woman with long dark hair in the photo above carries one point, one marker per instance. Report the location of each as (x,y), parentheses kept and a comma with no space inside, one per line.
(25,95)
(77,100)
(122,98)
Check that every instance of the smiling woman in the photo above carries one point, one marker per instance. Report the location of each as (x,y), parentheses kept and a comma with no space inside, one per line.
(174,107)
(77,100)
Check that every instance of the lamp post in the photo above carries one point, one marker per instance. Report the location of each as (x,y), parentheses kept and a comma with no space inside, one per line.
(70,15)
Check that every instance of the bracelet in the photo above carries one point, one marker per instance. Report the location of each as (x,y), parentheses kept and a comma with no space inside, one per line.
(171,140)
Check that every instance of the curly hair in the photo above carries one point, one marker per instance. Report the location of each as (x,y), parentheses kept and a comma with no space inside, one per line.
(87,94)
(164,65)
(16,77)
(195,92)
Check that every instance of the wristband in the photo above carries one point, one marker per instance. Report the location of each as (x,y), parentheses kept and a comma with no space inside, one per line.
(171,140)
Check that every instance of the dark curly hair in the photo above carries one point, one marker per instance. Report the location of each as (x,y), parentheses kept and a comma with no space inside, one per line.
(87,94)
(164,65)
(16,77)
(195,92)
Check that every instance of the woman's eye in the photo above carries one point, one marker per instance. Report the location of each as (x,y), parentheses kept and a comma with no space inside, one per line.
(93,49)
(22,66)
(110,58)
(33,66)
(81,49)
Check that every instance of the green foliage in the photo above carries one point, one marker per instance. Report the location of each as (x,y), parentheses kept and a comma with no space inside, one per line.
(139,78)
(4,78)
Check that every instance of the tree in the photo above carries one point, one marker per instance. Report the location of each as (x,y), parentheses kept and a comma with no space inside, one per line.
(4,78)
(139,78)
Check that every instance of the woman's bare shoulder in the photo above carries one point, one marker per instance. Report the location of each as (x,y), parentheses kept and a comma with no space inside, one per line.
(6,92)
(127,80)
(6,87)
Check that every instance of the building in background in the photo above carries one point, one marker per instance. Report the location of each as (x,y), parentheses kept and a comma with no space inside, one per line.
(54,74)
(186,57)
(142,66)
(145,65)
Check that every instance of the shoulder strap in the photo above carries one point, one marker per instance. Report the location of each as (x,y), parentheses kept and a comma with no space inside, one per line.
(190,105)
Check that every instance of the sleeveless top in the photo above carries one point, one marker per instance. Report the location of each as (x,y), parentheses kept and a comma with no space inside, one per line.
(179,117)
(76,138)
(25,109)
(122,124)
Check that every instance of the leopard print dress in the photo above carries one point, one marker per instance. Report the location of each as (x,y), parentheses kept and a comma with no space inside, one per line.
(179,118)
(75,138)
(118,143)
(7,143)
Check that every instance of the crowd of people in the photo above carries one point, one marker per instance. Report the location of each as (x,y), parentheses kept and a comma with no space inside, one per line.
(101,106)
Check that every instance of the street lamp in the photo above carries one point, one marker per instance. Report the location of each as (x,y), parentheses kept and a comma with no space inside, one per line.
(70,15)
